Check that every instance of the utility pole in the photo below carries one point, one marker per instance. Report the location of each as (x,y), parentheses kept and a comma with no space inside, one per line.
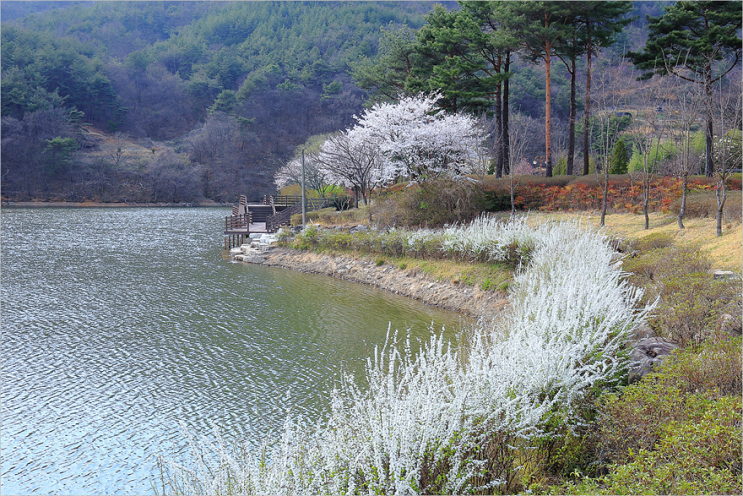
(304,207)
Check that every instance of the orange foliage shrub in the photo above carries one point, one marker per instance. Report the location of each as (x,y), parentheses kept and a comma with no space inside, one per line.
(624,193)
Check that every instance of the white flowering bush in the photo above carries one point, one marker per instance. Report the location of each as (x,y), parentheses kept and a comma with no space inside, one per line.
(449,420)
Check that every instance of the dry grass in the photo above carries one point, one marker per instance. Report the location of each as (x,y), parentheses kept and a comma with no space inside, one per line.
(726,252)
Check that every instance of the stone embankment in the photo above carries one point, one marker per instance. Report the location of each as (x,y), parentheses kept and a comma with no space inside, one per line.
(467,300)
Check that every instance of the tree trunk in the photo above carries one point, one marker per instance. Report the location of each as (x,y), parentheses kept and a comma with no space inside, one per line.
(709,166)
(571,137)
(513,203)
(720,205)
(645,201)
(548,109)
(505,139)
(588,101)
(682,210)
(605,201)
(498,132)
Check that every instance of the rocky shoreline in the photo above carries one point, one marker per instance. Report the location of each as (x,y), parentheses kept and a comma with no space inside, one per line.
(646,352)
(466,300)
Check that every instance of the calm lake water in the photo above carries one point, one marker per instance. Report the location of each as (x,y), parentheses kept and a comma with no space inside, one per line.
(119,323)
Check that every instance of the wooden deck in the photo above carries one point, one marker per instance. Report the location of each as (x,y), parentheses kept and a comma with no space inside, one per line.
(263,217)
(258,227)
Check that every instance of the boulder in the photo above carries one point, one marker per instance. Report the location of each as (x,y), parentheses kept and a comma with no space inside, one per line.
(730,325)
(646,354)
(723,274)
(641,331)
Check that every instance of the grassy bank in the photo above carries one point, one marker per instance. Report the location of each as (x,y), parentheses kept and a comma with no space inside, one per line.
(725,252)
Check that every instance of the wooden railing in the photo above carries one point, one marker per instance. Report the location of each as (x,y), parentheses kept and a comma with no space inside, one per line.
(283,218)
(282,200)
(237,223)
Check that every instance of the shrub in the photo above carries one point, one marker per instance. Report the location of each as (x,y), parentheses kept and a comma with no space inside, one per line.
(677,431)
(691,300)
(431,204)
(703,204)
(702,456)
(619,158)
(642,269)
(712,368)
(341,202)
(691,305)
(635,420)
(654,241)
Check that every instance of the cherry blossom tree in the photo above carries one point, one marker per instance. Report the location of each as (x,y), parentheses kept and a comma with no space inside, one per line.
(418,140)
(351,158)
(316,177)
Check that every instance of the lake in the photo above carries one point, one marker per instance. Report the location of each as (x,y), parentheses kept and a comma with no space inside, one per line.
(119,323)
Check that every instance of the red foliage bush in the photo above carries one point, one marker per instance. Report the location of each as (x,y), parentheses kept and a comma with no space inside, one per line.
(624,193)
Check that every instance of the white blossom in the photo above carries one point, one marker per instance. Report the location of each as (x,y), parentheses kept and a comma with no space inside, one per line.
(352,159)
(419,141)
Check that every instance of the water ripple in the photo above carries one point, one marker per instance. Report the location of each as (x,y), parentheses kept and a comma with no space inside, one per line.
(118,323)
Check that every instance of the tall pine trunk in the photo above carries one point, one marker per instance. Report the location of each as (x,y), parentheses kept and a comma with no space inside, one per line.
(505,139)
(498,131)
(548,109)
(588,101)
(571,138)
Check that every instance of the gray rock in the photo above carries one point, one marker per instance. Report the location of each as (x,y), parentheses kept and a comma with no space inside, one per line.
(730,325)
(646,355)
(723,274)
(641,331)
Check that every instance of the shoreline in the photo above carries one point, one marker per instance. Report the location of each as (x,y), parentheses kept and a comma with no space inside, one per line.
(466,300)
(89,204)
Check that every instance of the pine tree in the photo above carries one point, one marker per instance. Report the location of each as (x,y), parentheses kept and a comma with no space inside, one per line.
(687,41)
(589,26)
(540,28)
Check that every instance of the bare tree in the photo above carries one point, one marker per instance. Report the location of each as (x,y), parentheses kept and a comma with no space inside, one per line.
(483,160)
(685,117)
(211,146)
(608,96)
(316,178)
(650,126)
(114,148)
(727,107)
(349,159)
(521,127)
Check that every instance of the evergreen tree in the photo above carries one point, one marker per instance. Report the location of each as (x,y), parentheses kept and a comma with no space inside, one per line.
(540,27)
(619,159)
(687,41)
(387,74)
(494,43)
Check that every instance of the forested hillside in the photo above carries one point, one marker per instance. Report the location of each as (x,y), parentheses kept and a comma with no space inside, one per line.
(221,92)
(185,101)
